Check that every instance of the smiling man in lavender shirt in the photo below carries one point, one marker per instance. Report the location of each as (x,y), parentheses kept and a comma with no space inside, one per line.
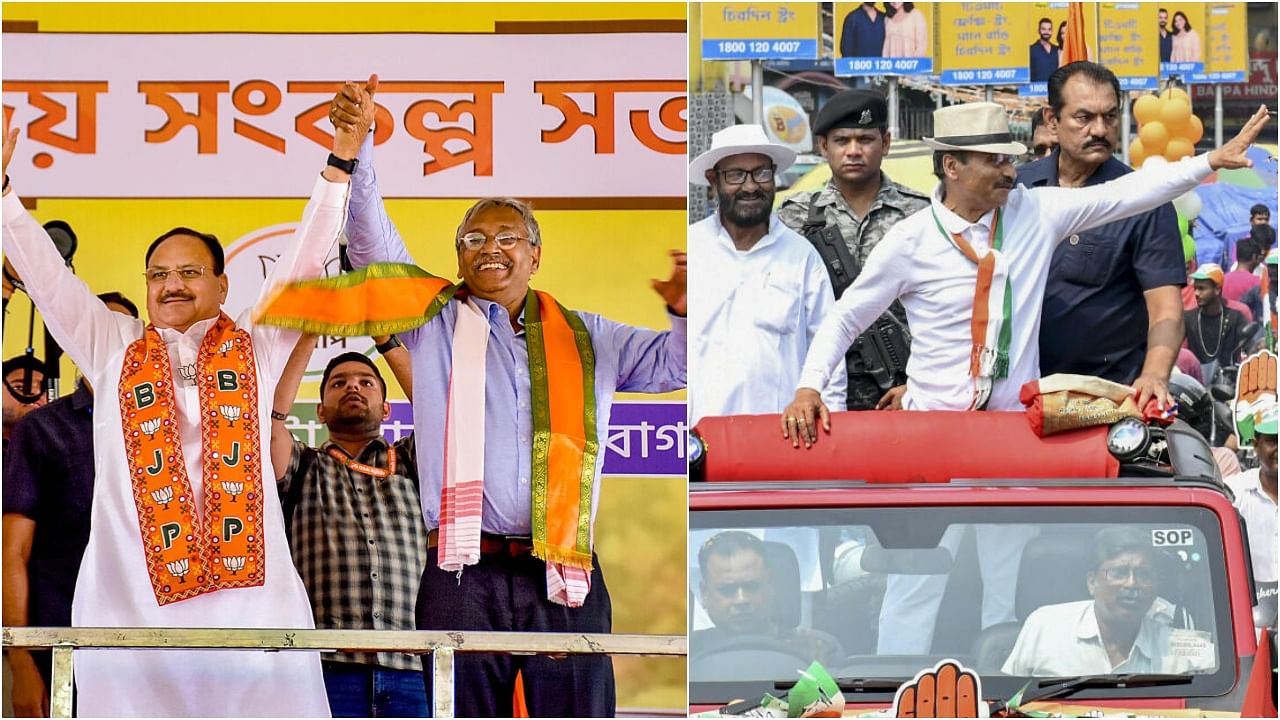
(514,582)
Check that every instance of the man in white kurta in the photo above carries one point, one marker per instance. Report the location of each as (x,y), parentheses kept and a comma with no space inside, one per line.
(752,315)
(114,588)
(759,289)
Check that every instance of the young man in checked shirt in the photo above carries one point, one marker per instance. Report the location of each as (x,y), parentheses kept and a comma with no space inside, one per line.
(355,528)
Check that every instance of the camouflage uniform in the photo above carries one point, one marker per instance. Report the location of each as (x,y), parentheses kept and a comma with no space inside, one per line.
(893,203)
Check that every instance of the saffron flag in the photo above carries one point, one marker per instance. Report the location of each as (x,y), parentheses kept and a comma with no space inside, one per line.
(1075,47)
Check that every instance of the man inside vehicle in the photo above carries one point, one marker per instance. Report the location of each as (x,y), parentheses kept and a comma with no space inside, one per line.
(1125,628)
(739,591)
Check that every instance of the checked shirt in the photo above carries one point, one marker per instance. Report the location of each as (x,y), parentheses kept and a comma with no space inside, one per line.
(359,543)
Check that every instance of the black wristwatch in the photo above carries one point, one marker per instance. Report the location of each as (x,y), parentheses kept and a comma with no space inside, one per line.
(347,166)
(389,345)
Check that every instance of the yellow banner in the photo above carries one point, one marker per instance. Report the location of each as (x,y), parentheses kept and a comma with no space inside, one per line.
(746,31)
(1129,43)
(985,43)
(1227,55)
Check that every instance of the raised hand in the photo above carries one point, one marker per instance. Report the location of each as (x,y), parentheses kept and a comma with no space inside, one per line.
(351,112)
(10,142)
(1255,389)
(1232,154)
(674,289)
(948,692)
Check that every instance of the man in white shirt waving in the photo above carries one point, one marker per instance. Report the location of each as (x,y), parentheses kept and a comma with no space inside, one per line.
(971,268)
(760,289)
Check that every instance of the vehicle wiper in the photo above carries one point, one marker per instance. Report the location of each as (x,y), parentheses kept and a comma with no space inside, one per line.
(1050,688)
(849,684)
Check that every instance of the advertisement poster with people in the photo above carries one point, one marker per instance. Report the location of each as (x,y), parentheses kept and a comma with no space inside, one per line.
(892,38)
(1182,45)
(1048,25)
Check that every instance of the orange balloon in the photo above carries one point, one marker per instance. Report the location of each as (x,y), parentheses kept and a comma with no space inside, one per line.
(1194,131)
(1178,93)
(1154,137)
(1136,153)
(1177,149)
(1146,109)
(1175,114)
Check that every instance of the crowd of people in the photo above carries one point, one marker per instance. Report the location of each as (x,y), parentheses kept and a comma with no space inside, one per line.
(1070,262)
(482,519)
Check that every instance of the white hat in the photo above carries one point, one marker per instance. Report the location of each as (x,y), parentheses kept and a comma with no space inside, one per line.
(975,127)
(739,140)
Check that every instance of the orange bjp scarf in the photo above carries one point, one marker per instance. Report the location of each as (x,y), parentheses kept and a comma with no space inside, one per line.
(189,552)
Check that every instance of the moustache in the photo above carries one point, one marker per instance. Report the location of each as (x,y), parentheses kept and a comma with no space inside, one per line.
(355,396)
(1104,144)
(1005,185)
(176,296)
(492,258)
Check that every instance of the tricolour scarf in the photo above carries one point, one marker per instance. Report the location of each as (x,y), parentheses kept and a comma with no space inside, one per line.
(190,552)
(388,298)
(991,327)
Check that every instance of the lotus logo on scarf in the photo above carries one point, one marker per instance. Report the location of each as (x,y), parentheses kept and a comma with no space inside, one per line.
(233,488)
(233,564)
(179,568)
(231,413)
(163,496)
(150,427)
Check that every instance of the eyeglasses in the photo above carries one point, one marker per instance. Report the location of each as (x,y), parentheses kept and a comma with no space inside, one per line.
(477,240)
(187,273)
(1120,573)
(737,176)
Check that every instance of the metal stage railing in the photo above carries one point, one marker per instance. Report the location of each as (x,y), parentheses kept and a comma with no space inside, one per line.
(441,645)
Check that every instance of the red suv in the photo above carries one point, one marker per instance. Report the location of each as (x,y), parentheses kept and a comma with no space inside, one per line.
(904,538)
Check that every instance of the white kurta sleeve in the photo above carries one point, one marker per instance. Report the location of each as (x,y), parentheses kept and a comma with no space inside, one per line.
(317,232)
(878,285)
(819,301)
(1073,210)
(81,323)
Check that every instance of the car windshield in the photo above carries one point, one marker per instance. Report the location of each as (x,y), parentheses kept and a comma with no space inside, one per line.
(1013,592)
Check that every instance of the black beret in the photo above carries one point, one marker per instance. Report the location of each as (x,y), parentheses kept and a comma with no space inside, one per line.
(852,109)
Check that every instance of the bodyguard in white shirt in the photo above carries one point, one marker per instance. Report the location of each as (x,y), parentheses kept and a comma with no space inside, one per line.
(759,289)
(970,269)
